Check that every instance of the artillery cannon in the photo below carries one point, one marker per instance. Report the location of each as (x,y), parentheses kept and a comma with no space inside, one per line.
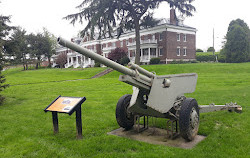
(156,96)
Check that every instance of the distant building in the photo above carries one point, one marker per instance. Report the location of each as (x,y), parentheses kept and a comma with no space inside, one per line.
(170,40)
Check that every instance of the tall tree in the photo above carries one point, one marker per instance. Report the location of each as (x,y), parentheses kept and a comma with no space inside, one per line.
(52,43)
(39,45)
(237,46)
(4,32)
(104,15)
(17,47)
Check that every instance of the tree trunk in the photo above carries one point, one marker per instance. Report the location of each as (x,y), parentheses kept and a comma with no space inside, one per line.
(49,62)
(137,39)
(24,64)
(38,62)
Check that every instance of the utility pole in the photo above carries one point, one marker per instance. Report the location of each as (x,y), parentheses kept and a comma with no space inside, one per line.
(216,59)
(213,43)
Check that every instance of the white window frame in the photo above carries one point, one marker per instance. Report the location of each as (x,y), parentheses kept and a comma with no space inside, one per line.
(153,37)
(178,51)
(185,38)
(184,51)
(160,36)
(121,43)
(178,37)
(160,52)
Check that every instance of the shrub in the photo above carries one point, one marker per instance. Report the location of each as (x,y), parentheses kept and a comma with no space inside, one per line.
(183,62)
(155,61)
(61,59)
(124,60)
(97,64)
(117,54)
(199,50)
(205,58)
(237,46)
(210,49)
(194,61)
(221,58)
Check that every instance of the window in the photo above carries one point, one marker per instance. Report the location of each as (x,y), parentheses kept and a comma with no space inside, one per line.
(160,36)
(145,52)
(178,37)
(113,44)
(132,53)
(185,38)
(126,42)
(153,52)
(178,51)
(133,40)
(160,51)
(184,51)
(153,37)
(121,43)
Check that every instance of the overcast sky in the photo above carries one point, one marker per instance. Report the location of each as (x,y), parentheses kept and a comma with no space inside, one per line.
(33,15)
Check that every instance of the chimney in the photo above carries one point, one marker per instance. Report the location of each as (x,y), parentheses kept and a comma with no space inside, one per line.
(173,18)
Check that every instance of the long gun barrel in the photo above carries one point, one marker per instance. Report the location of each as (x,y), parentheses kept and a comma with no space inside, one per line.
(108,62)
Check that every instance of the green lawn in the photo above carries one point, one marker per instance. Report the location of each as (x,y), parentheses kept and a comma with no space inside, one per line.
(26,131)
(17,76)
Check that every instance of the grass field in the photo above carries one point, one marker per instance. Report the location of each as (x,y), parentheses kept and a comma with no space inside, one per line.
(26,131)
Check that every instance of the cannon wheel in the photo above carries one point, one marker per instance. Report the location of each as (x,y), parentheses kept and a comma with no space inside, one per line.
(124,118)
(189,119)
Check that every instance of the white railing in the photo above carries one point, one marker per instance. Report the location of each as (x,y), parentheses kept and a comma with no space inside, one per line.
(145,58)
(108,48)
(154,41)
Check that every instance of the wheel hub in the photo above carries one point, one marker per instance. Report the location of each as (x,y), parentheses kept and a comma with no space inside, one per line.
(194,119)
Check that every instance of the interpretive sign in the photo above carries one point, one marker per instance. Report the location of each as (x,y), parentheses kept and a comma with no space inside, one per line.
(67,105)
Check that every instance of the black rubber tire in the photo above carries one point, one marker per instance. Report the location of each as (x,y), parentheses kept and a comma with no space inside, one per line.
(123,118)
(187,131)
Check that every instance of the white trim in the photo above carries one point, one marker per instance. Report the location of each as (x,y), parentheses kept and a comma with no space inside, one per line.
(179,53)
(184,51)
(153,30)
(88,43)
(181,31)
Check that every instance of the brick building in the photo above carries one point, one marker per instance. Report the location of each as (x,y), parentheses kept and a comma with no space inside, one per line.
(170,40)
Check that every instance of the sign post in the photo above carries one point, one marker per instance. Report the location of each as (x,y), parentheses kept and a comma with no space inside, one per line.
(67,105)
